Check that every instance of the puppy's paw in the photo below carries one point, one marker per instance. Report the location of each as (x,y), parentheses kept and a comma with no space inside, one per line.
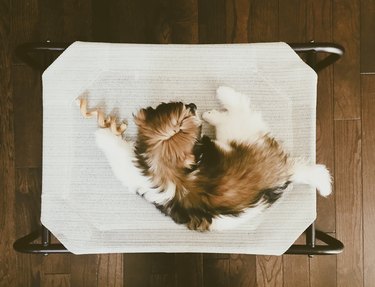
(232,100)
(105,138)
(224,91)
(213,117)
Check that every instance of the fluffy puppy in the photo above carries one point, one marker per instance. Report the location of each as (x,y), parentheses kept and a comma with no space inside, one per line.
(206,184)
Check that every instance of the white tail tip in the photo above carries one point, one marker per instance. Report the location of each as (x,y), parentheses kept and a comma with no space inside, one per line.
(317,176)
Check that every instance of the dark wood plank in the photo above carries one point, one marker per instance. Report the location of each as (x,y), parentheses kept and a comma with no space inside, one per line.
(24,23)
(349,202)
(51,20)
(184,21)
(189,270)
(347,79)
(56,280)
(270,271)
(7,170)
(57,264)
(296,268)
(367,41)
(263,21)
(323,270)
(293,21)
(77,20)
(161,21)
(100,20)
(132,21)
(243,270)
(216,270)
(240,27)
(28,191)
(84,270)
(368,163)
(110,270)
(143,269)
(27,195)
(202,21)
(28,116)
(162,270)
(137,269)
(212,19)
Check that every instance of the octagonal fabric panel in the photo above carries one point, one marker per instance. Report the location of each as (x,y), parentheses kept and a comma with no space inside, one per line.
(87,208)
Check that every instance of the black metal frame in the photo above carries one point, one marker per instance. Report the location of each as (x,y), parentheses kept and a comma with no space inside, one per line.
(50,51)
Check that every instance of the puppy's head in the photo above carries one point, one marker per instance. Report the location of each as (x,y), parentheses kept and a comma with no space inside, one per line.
(171,128)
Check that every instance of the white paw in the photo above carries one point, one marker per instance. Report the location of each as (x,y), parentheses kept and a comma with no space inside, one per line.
(212,117)
(232,100)
(105,138)
(223,91)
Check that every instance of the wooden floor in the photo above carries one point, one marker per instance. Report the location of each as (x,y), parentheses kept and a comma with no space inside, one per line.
(345,140)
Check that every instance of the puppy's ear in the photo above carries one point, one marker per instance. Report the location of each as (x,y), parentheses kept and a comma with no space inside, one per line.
(140,116)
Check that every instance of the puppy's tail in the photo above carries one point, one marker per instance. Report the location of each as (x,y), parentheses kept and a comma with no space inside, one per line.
(316,175)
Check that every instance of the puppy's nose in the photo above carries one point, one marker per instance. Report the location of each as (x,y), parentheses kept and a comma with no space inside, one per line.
(192,106)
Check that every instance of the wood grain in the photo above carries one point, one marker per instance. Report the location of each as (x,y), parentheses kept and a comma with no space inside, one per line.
(349,202)
(7,171)
(149,269)
(347,78)
(27,100)
(24,23)
(270,271)
(77,20)
(296,268)
(323,270)
(27,196)
(241,11)
(28,191)
(100,20)
(57,264)
(242,270)
(110,270)
(216,270)
(368,180)
(367,42)
(189,270)
(263,21)
(51,21)
(137,269)
(212,15)
(292,21)
(84,270)
(184,21)
(162,22)
(162,269)
(56,280)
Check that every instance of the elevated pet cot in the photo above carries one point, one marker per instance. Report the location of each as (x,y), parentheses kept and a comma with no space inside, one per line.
(91,223)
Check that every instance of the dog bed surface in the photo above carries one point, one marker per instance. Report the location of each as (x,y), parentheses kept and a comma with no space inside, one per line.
(87,208)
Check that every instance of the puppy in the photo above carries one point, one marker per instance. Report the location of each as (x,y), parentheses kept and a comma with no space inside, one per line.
(202,183)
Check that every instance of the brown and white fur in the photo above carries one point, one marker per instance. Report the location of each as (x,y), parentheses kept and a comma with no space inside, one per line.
(202,183)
